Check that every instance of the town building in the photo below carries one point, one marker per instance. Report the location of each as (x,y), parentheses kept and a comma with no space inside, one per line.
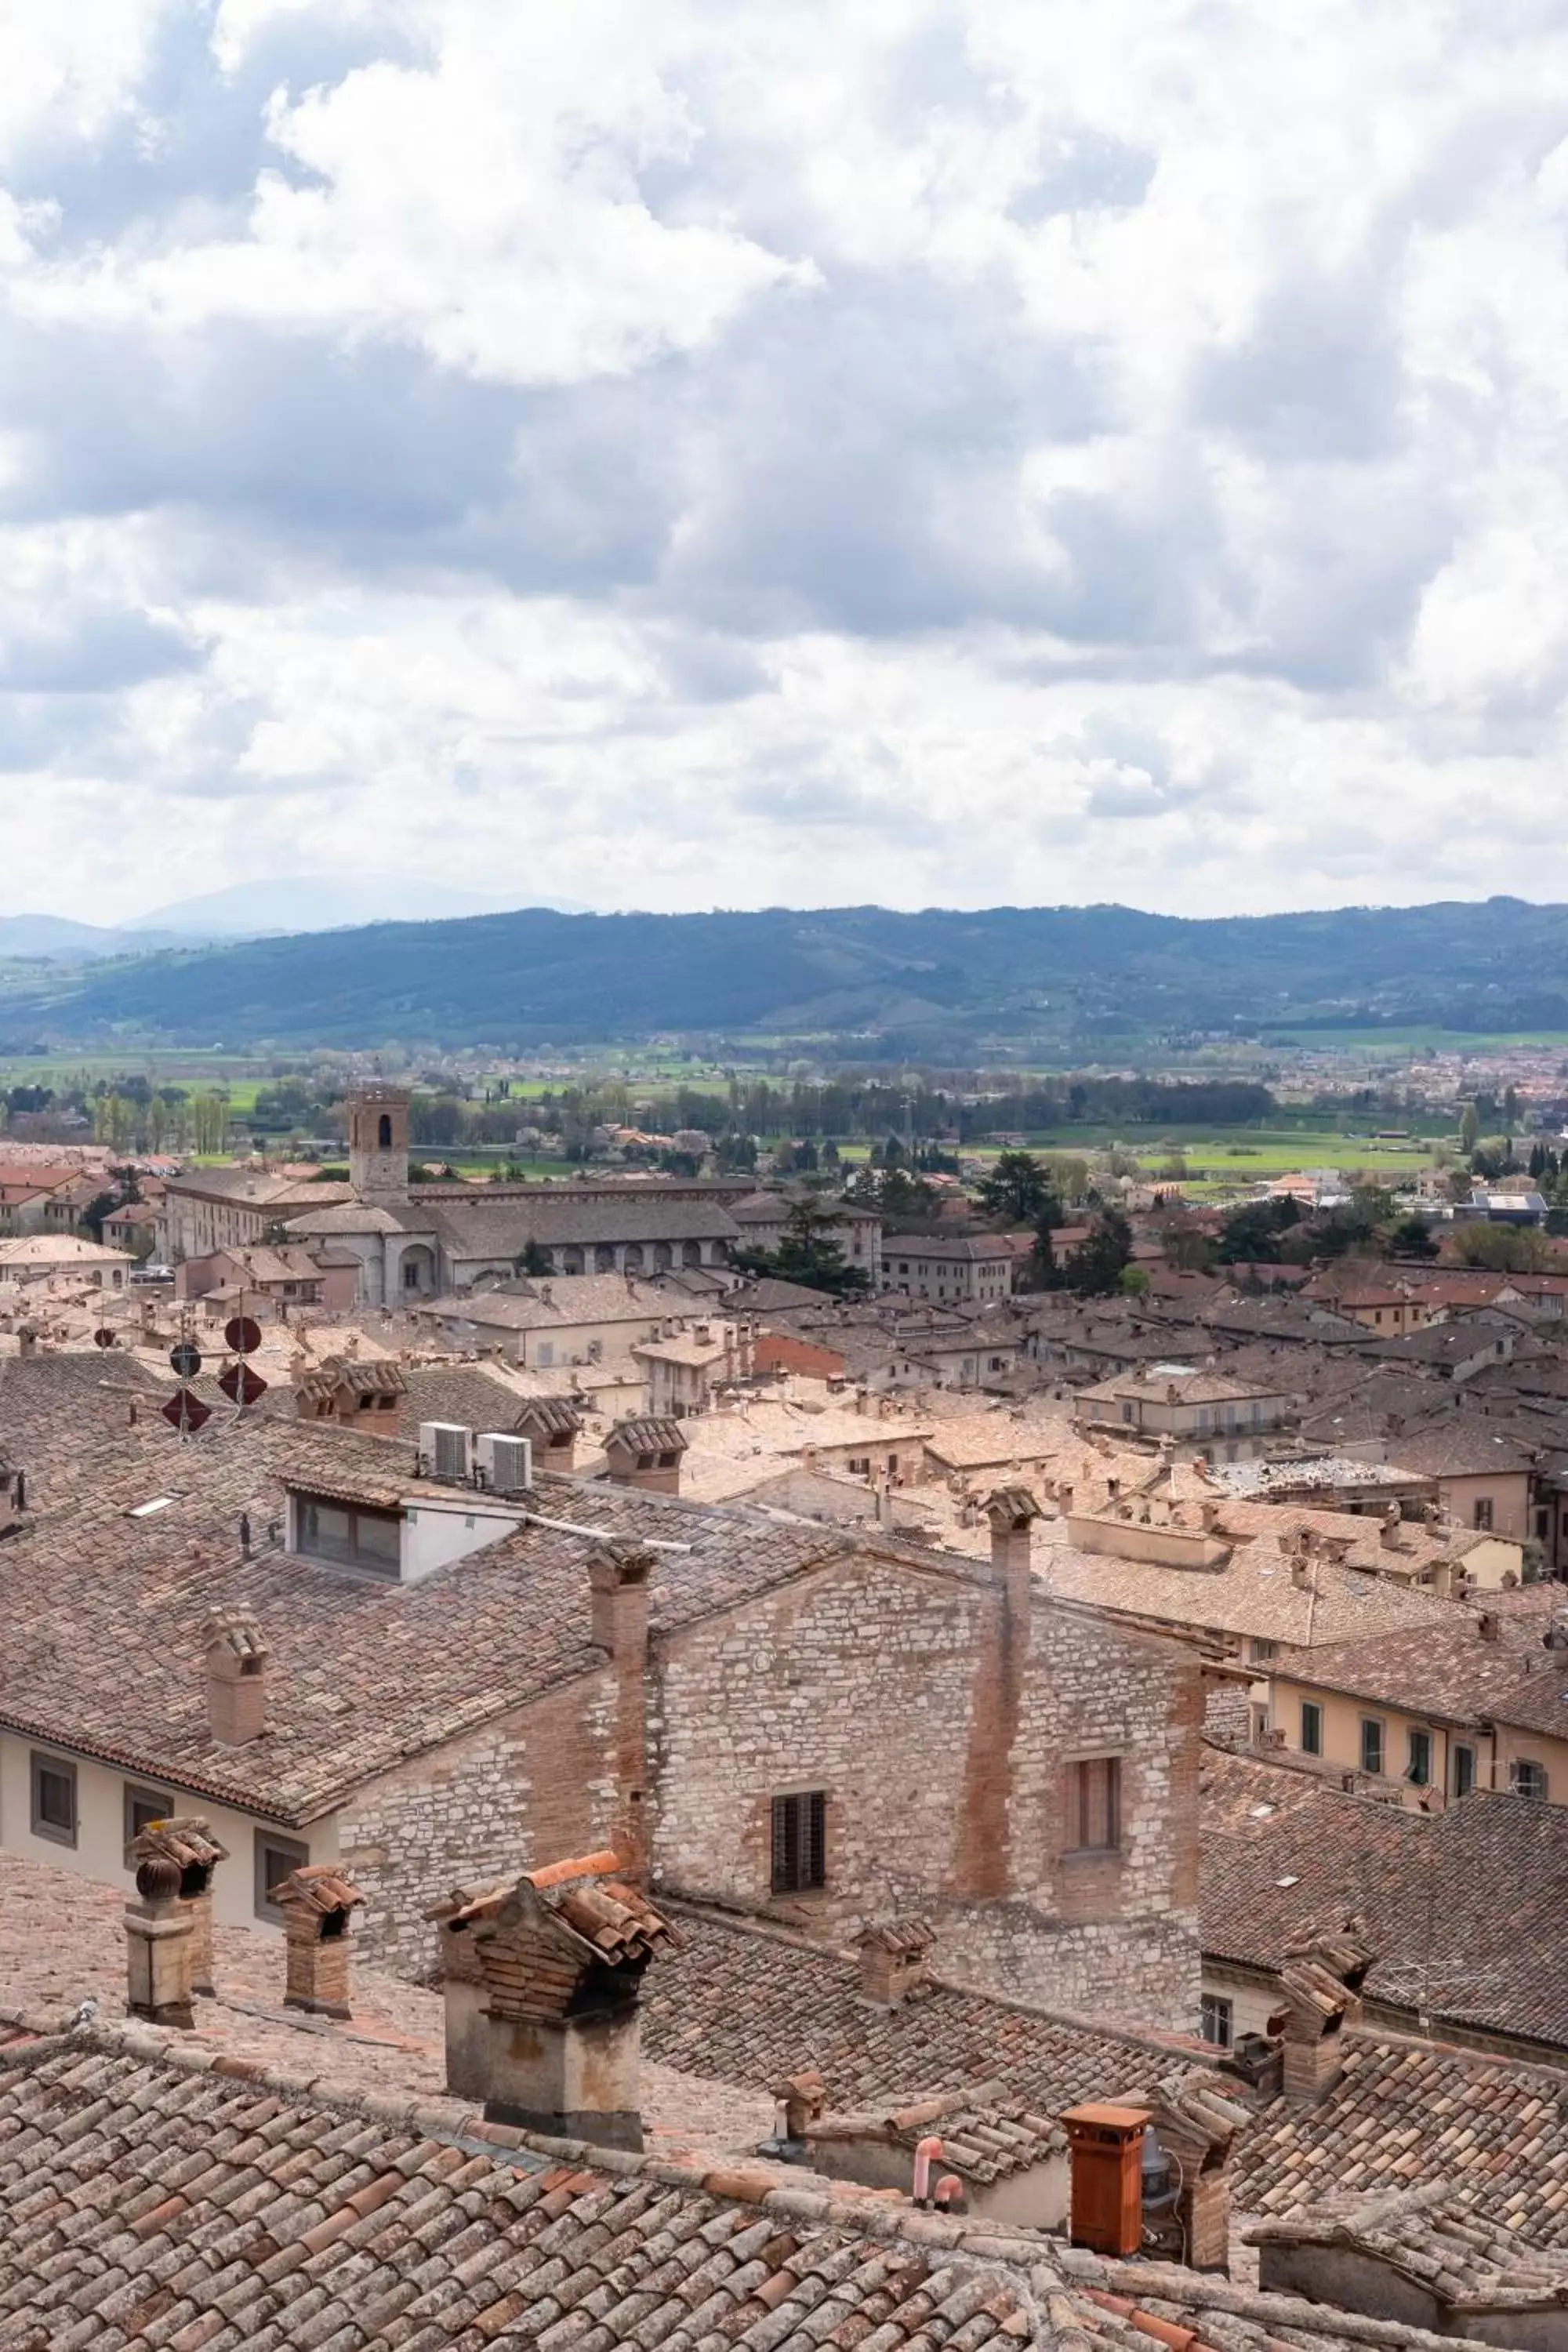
(956,1272)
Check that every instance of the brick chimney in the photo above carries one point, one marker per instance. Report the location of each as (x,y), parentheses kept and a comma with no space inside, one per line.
(895,1961)
(237,1659)
(541,1981)
(1012,1512)
(1322,1984)
(618,1575)
(645,1452)
(187,1841)
(316,1902)
(552,1427)
(1195,2125)
(158,1948)
(996,1695)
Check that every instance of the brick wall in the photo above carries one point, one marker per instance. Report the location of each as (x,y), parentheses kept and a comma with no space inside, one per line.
(891,1689)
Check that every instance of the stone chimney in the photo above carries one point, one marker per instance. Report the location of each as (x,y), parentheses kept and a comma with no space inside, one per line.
(1322,1984)
(542,1979)
(236,1658)
(1195,2125)
(1489,1625)
(187,1841)
(645,1452)
(158,1948)
(618,1576)
(895,1961)
(1388,1533)
(26,1340)
(316,1902)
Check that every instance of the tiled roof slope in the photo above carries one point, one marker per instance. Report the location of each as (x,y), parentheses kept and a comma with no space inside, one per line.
(746,2006)
(1407,2112)
(141,2204)
(1459,1906)
(102,1614)
(1447,1670)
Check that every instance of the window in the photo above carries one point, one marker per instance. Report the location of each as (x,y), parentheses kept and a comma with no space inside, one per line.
(54,1799)
(1127,1411)
(384,1133)
(1528,1779)
(274,1858)
(1311,1728)
(368,1539)
(1418,1759)
(141,1806)
(1263,1653)
(1095,1825)
(1218,2021)
(800,1842)
(1481,1516)
(1371,1744)
(1464,1770)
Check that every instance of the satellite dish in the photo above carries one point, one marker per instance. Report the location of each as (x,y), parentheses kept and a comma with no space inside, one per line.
(238,1381)
(104,1337)
(242,1336)
(184,1410)
(186,1359)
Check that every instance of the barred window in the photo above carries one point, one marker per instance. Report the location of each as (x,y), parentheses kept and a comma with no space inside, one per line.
(800,1843)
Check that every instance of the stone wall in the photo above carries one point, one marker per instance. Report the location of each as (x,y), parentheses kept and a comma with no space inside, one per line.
(942,1720)
(532,1789)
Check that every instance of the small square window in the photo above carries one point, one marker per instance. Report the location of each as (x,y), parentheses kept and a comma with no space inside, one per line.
(274,1858)
(1528,1779)
(799,1842)
(54,1799)
(1218,2021)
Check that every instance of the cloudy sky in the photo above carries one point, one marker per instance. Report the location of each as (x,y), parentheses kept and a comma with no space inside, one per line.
(674,453)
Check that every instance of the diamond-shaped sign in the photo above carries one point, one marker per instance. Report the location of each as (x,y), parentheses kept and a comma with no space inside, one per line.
(184,1410)
(238,1381)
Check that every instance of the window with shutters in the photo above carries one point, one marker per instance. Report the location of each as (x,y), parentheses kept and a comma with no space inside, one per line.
(1094,1823)
(1528,1779)
(800,1842)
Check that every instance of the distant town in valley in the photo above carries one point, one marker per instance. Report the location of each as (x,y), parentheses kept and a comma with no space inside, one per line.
(729,1674)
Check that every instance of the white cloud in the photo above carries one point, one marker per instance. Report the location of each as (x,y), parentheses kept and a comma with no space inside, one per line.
(679,451)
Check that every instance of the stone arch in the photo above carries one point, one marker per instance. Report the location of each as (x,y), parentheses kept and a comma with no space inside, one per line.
(417,1271)
(663,1257)
(604,1259)
(383,1132)
(571,1261)
(632,1260)
(691,1253)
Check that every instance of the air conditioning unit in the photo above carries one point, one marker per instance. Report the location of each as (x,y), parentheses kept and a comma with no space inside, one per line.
(447,1448)
(506,1464)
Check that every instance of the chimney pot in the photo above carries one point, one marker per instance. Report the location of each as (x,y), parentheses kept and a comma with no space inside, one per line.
(158,1948)
(186,1845)
(895,1961)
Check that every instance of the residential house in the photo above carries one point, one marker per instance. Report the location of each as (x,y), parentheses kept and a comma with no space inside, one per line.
(1199,1410)
(1477,1701)
(1482,1474)
(956,1272)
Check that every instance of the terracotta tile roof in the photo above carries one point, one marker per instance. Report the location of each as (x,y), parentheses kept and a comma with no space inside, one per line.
(101,1613)
(136,2197)
(1465,1445)
(985,2136)
(1448,1670)
(750,2007)
(1458,1906)
(648,1433)
(361,1377)
(1436,2241)
(1402,2113)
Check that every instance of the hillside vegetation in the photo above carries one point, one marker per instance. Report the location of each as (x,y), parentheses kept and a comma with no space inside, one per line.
(936,984)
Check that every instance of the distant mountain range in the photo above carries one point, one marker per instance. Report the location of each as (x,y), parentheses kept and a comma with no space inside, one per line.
(248,911)
(936,986)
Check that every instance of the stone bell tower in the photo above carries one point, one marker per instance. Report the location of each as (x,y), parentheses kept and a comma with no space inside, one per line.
(378,1143)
